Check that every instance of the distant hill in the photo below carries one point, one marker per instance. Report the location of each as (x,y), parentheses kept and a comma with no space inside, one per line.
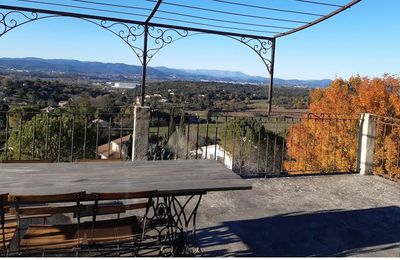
(120,71)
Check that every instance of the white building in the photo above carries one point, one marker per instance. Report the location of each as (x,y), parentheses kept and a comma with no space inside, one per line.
(63,103)
(101,122)
(116,149)
(216,152)
(47,109)
(125,85)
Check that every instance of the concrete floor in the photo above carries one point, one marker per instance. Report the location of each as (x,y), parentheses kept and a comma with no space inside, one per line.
(340,215)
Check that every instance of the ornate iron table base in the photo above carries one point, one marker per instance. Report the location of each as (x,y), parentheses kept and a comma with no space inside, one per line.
(172,221)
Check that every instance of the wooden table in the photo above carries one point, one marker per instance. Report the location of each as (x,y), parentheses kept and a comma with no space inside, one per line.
(171,179)
(164,176)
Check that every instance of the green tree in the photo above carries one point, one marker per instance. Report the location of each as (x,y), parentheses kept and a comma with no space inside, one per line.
(18,115)
(3,114)
(52,137)
(254,149)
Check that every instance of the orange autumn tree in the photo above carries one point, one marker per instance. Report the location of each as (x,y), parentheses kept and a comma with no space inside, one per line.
(326,140)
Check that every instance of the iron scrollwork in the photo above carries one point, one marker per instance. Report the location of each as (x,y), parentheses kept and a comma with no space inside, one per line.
(129,33)
(133,34)
(162,37)
(171,221)
(261,47)
(14,19)
(184,216)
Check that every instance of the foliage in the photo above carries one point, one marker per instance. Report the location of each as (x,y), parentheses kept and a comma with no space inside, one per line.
(17,115)
(254,149)
(30,143)
(323,143)
(3,116)
(335,135)
(44,93)
(225,96)
(159,151)
(84,97)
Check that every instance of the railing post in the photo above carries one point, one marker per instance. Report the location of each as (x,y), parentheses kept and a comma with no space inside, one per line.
(366,142)
(141,126)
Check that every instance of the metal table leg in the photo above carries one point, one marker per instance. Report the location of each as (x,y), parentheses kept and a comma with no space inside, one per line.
(184,215)
(173,222)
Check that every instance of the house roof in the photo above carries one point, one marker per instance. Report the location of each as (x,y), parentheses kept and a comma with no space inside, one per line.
(103,149)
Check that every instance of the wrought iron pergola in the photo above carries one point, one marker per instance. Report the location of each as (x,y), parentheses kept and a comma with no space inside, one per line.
(147,26)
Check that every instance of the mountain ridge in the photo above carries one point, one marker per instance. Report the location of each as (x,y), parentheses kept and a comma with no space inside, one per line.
(123,72)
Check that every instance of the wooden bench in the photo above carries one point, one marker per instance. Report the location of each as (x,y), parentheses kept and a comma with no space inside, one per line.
(100,160)
(44,237)
(25,161)
(117,230)
(74,237)
(8,227)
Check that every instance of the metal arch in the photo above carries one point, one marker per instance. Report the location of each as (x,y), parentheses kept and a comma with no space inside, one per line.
(127,33)
(162,37)
(261,47)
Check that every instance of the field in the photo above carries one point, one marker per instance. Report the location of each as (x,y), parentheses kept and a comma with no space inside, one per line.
(276,125)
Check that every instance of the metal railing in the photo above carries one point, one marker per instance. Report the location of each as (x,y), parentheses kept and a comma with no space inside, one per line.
(61,136)
(260,145)
(387,148)
(250,145)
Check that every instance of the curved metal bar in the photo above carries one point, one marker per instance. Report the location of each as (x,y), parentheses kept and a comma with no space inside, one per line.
(264,48)
(129,21)
(8,24)
(128,33)
(163,37)
(170,25)
(184,219)
(154,11)
(343,8)
(261,47)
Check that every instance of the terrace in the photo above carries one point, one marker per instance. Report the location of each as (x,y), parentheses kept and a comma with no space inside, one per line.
(339,215)
(308,197)
(312,189)
(336,215)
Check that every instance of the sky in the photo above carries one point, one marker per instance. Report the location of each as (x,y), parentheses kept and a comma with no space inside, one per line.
(362,40)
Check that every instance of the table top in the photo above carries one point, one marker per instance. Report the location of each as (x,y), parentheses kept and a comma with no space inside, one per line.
(176,176)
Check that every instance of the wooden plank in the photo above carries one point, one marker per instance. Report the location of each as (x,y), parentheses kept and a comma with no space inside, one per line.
(135,167)
(194,171)
(164,176)
(66,197)
(169,187)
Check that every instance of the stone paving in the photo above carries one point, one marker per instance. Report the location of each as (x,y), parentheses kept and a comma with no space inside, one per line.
(339,215)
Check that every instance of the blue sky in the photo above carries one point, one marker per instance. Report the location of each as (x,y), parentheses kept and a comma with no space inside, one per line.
(362,40)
